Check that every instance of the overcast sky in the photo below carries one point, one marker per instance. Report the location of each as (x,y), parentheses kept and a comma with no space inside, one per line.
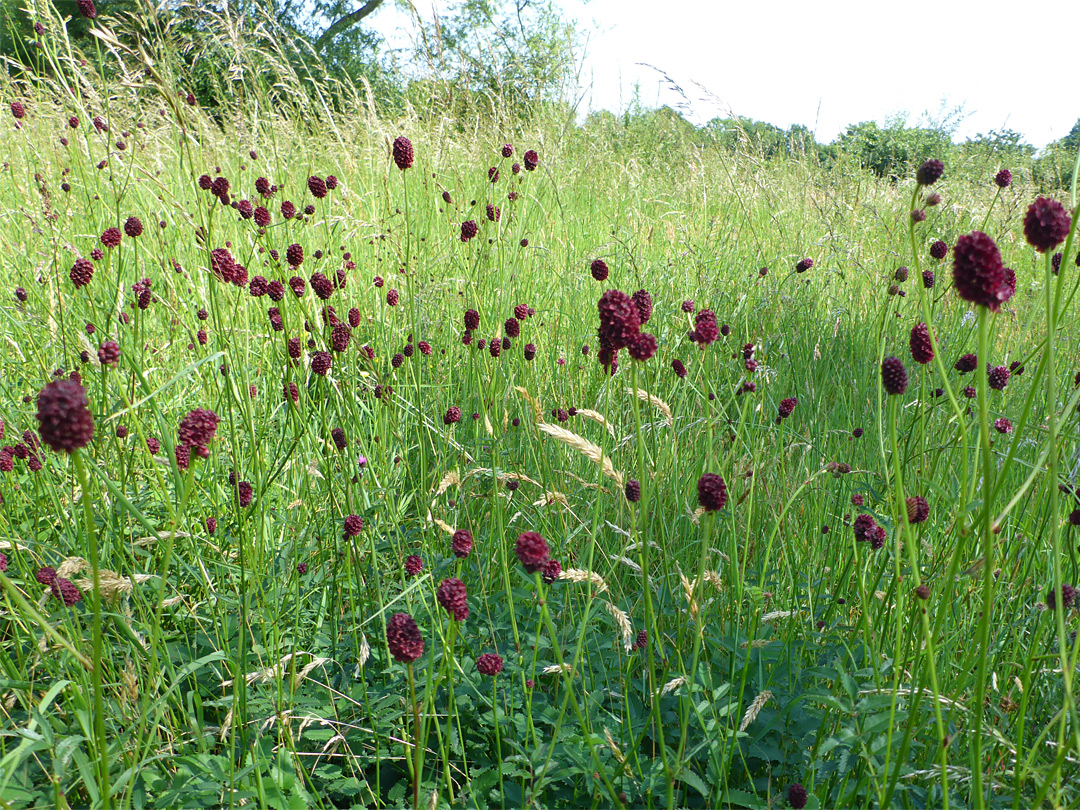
(830,63)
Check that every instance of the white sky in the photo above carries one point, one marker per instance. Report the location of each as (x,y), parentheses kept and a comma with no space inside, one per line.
(830,63)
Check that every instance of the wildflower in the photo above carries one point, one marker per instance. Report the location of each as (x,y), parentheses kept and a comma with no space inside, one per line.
(1003,179)
(978,274)
(998,377)
(642,347)
(87,8)
(970,392)
(796,796)
(294,254)
(64,418)
(197,429)
(530,351)
(81,272)
(531,550)
(1046,224)
(531,160)
(863,528)
(678,367)
(901,274)
(110,237)
(66,591)
(939,250)
(489,664)
(922,351)
(402,634)
(550,572)
(452,415)
(706,330)
(392,297)
(17,110)
(599,269)
(966,363)
(413,565)
(803,265)
(321,362)
(929,173)
(928,279)
(244,492)
(453,598)
(469,229)
(918,509)
(633,490)
(1003,425)
(403,152)
(461,543)
(1067,594)
(712,492)
(302,568)
(354,524)
(619,320)
(317,187)
(893,375)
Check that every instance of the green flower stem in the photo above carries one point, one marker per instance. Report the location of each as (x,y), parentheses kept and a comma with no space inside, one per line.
(95,571)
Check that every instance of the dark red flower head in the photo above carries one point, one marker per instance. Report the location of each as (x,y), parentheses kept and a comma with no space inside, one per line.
(354,524)
(110,238)
(1067,595)
(66,591)
(452,415)
(64,418)
(87,8)
(1003,179)
(321,362)
(403,638)
(930,172)
(82,272)
(532,551)
(453,598)
(644,303)
(551,570)
(317,187)
(403,152)
(796,796)
(917,509)
(197,429)
(599,269)
(893,375)
(978,274)
(712,492)
(489,664)
(804,265)
(294,254)
(633,490)
(619,320)
(532,160)
(678,367)
(461,543)
(787,407)
(1046,224)
(133,227)
(706,330)
(939,250)
(922,351)
(469,229)
(413,565)
(642,347)
(998,377)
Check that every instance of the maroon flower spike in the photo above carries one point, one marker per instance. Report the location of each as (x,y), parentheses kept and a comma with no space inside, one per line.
(413,565)
(864,528)
(804,265)
(66,591)
(901,274)
(321,362)
(642,347)
(966,363)
(403,638)
(796,796)
(599,269)
(787,407)
(512,327)
(294,254)
(531,160)
(893,375)
(87,8)
(197,429)
(262,217)
(493,213)
(331,182)
(133,227)
(110,238)
(469,229)
(998,377)
(922,351)
(930,172)
(550,571)
(1067,594)
(633,490)
(453,598)
(939,250)
(688,306)
(489,664)
(532,551)
(679,369)
(917,509)
(317,187)
(928,279)
(452,415)
(322,286)
(644,303)
(45,575)
(619,320)
(3,561)
(1003,425)
(706,330)
(712,492)
(403,152)
(970,392)
(18,110)
(64,418)
(211,525)
(82,272)
(354,524)
(392,297)
(461,543)
(978,274)
(1046,224)
(1003,179)
(529,351)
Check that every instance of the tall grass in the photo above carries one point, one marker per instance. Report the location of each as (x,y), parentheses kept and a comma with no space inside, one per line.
(682,657)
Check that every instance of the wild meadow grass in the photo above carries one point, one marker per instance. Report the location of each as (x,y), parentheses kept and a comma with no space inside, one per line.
(353,514)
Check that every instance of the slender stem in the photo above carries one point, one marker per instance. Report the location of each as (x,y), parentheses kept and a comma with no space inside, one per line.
(416,737)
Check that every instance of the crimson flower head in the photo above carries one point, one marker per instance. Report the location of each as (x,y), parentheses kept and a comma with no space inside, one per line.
(1046,224)
(197,429)
(532,551)
(644,303)
(413,565)
(804,265)
(403,152)
(110,237)
(532,160)
(81,272)
(489,664)
(922,351)
(64,418)
(599,269)
(469,229)
(354,524)
(796,796)
(454,598)
(893,375)
(939,250)
(787,407)
(930,172)
(461,543)
(619,320)
(1003,179)
(403,638)
(452,415)
(712,492)
(978,274)
(918,509)
(87,8)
